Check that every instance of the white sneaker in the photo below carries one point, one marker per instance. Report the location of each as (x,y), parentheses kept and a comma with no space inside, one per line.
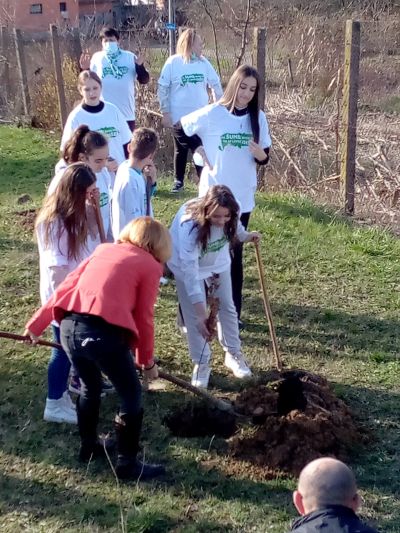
(238,364)
(201,375)
(59,411)
(68,401)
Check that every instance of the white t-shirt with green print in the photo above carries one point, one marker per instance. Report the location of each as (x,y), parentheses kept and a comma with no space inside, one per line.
(118,77)
(187,84)
(108,121)
(225,138)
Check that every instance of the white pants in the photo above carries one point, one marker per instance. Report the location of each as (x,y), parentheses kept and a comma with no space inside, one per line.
(228,329)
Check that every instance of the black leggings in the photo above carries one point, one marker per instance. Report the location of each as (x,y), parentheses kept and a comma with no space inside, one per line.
(181,150)
(95,346)
(237,268)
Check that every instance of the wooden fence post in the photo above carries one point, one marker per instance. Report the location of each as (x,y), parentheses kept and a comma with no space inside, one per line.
(349,114)
(76,44)
(5,50)
(55,43)
(19,48)
(259,55)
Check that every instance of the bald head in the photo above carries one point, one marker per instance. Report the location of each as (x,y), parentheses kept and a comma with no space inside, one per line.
(323,482)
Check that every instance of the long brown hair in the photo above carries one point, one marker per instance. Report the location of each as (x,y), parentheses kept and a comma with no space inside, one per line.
(228,99)
(201,209)
(66,208)
(83,141)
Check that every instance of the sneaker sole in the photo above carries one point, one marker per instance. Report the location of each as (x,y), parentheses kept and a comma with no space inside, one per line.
(78,392)
(57,420)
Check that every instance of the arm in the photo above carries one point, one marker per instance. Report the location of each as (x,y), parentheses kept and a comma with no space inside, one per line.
(43,316)
(142,74)
(143,314)
(260,151)
(214,83)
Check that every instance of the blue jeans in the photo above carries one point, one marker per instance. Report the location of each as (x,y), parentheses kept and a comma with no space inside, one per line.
(95,346)
(58,369)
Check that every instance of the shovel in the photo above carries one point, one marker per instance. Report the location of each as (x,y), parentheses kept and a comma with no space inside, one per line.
(216,402)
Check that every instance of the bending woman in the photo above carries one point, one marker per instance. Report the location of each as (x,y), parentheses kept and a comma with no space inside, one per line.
(232,136)
(182,88)
(106,309)
(202,231)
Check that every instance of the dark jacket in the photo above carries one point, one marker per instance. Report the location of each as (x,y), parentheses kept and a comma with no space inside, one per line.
(331,519)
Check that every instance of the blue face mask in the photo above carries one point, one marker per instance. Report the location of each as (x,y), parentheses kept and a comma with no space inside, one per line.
(110,47)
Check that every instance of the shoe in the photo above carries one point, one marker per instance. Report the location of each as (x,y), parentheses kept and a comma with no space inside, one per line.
(163,281)
(241,324)
(201,375)
(68,401)
(178,186)
(238,364)
(136,469)
(128,429)
(87,452)
(58,411)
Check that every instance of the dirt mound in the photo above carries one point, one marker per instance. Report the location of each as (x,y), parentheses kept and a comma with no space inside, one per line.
(298,418)
(196,419)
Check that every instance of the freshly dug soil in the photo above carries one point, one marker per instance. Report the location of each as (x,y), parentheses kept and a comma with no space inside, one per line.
(298,418)
(197,419)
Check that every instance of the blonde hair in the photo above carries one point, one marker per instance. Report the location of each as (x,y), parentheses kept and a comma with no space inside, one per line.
(150,235)
(184,46)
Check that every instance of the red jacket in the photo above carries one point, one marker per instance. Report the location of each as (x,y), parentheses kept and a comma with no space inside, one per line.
(119,283)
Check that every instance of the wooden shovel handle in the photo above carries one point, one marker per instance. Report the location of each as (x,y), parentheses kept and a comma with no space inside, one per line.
(267,308)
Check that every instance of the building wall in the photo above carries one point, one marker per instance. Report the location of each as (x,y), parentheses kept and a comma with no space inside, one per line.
(94,7)
(23,18)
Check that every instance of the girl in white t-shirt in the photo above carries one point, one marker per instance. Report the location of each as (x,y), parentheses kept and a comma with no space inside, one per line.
(202,231)
(66,234)
(90,147)
(182,88)
(232,137)
(98,116)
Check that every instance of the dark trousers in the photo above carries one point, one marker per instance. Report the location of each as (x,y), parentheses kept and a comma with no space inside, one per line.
(95,346)
(237,268)
(181,150)
(131,124)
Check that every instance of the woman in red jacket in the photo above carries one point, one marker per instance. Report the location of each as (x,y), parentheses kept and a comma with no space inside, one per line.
(106,309)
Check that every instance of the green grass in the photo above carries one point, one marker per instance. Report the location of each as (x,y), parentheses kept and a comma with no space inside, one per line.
(334,289)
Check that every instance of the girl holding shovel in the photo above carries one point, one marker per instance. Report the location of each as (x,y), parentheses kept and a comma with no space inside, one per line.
(202,232)
(66,234)
(106,308)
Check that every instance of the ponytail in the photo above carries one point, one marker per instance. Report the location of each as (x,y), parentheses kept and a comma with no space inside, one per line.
(83,141)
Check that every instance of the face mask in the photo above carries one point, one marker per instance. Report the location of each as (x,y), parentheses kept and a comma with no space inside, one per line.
(111,47)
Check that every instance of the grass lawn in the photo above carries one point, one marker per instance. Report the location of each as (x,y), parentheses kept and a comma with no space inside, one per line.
(334,288)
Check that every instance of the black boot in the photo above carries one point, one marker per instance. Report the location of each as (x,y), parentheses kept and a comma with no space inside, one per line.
(92,446)
(128,429)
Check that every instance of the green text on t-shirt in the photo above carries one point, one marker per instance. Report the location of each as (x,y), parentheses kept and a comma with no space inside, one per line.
(235,139)
(109,131)
(103,201)
(116,72)
(214,246)
(191,78)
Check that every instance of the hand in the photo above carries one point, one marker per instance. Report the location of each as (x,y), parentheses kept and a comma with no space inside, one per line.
(84,60)
(201,320)
(94,196)
(166,120)
(256,151)
(139,58)
(33,338)
(200,150)
(150,171)
(151,373)
(112,165)
(253,236)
